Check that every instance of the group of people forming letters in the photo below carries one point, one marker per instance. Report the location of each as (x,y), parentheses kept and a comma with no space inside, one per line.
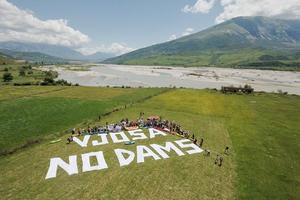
(156,122)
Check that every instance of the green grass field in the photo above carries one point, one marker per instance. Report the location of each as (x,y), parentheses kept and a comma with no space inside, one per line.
(28,114)
(262,131)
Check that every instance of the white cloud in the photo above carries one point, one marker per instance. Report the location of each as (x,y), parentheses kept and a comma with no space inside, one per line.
(22,26)
(202,6)
(186,32)
(287,9)
(114,48)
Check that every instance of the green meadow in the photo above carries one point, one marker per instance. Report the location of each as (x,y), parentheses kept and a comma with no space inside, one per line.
(29,114)
(262,131)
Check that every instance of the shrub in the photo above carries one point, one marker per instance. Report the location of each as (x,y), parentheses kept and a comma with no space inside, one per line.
(282,92)
(22,84)
(7,77)
(48,81)
(51,81)
(30,72)
(22,72)
(63,82)
(51,74)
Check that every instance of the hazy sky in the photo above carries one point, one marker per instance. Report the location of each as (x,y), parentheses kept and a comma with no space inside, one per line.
(122,25)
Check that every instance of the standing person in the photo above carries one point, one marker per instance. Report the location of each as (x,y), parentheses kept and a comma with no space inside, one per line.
(201,142)
(70,139)
(217,159)
(195,141)
(226,151)
(220,161)
(79,132)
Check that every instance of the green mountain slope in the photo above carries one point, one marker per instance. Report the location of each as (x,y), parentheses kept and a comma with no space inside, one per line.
(5,59)
(240,42)
(32,56)
(53,50)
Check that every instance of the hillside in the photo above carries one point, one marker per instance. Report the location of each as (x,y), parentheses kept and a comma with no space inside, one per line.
(5,59)
(53,50)
(33,56)
(240,42)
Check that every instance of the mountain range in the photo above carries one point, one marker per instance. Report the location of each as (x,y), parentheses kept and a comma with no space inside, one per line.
(54,51)
(32,57)
(240,42)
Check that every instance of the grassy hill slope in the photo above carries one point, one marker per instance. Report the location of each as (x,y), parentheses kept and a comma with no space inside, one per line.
(33,57)
(6,59)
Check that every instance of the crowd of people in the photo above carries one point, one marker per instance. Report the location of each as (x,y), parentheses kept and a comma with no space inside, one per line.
(156,122)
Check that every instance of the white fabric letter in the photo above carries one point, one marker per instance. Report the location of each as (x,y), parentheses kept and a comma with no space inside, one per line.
(103,140)
(139,135)
(169,146)
(153,132)
(115,139)
(141,155)
(84,142)
(70,168)
(195,148)
(86,164)
(122,160)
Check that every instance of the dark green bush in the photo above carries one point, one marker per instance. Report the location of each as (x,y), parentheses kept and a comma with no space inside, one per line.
(7,77)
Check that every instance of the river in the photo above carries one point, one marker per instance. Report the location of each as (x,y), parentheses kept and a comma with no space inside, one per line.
(158,76)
